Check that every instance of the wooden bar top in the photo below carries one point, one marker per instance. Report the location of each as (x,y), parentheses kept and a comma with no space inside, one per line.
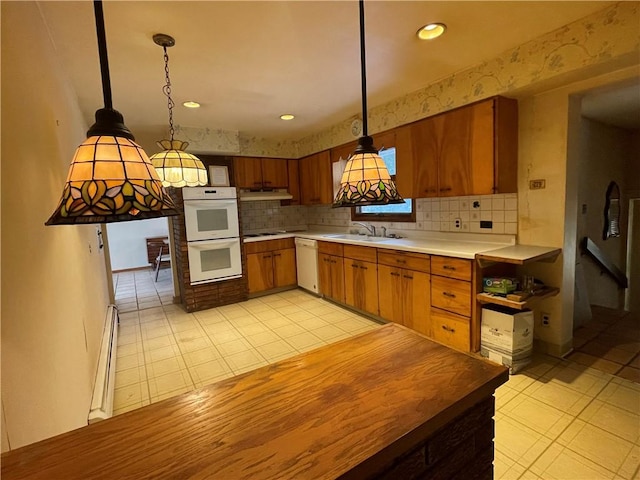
(324,414)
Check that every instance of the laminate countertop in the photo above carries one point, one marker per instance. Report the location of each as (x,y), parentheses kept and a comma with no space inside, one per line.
(450,245)
(332,412)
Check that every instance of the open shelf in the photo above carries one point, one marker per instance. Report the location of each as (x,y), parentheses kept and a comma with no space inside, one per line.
(526,303)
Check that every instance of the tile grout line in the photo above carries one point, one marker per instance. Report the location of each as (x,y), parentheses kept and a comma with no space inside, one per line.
(554,441)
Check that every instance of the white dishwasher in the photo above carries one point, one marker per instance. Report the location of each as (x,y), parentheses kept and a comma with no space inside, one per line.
(307,264)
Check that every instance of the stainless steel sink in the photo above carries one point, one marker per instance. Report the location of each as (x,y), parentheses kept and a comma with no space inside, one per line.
(359,238)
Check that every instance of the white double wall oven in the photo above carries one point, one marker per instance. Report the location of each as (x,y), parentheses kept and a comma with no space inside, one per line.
(213,233)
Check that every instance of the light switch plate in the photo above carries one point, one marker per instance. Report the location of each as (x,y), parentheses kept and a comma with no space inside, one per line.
(536,184)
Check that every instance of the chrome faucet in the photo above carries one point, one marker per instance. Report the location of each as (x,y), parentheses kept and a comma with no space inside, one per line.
(370,228)
(384,231)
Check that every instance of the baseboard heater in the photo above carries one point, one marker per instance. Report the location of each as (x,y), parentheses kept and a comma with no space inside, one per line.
(102,401)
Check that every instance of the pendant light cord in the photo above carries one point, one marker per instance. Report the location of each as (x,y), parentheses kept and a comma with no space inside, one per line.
(167,91)
(102,50)
(363,70)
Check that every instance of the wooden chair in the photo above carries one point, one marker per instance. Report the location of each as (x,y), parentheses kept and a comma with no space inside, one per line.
(162,258)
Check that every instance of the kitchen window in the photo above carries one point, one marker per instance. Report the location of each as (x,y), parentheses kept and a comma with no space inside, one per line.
(400,212)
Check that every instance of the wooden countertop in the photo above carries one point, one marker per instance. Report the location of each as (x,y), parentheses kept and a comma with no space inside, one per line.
(327,413)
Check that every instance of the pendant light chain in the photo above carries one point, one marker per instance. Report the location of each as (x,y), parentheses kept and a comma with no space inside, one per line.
(167,91)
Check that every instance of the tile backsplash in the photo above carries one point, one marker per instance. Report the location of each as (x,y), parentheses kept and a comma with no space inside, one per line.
(473,213)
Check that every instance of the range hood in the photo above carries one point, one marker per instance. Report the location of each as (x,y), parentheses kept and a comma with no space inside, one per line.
(260,195)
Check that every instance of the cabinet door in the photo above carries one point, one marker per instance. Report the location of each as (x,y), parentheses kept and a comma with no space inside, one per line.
(482,158)
(324,274)
(361,285)
(275,173)
(325,177)
(337,279)
(284,267)
(294,181)
(343,152)
(260,271)
(426,151)
(405,164)
(247,172)
(390,293)
(309,180)
(416,293)
(454,162)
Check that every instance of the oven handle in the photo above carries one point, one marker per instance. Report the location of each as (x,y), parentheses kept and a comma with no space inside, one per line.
(203,244)
(210,203)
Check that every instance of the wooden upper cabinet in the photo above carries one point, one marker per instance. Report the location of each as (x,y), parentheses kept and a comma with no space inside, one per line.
(384,140)
(343,152)
(471,150)
(426,152)
(258,173)
(275,173)
(247,172)
(316,186)
(405,162)
(294,181)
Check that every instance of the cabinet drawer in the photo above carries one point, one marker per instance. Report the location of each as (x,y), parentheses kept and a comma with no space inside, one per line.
(413,261)
(451,267)
(452,295)
(269,245)
(450,329)
(366,254)
(331,248)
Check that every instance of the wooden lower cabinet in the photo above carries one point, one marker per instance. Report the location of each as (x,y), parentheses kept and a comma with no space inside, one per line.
(284,267)
(390,293)
(451,329)
(361,285)
(271,264)
(260,271)
(451,294)
(404,297)
(331,276)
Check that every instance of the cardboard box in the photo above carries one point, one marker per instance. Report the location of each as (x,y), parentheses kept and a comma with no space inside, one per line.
(506,336)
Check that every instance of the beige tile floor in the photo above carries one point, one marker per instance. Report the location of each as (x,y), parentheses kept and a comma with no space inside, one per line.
(557,420)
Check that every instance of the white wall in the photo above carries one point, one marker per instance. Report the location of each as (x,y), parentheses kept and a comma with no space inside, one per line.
(127,241)
(54,286)
(549,150)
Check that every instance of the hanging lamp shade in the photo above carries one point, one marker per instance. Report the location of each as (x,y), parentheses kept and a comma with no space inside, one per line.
(110,178)
(175,167)
(366,179)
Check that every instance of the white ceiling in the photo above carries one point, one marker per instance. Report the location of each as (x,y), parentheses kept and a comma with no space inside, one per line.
(248,62)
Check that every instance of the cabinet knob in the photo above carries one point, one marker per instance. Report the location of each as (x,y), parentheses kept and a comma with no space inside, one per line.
(408,276)
(393,274)
(403,262)
(448,267)
(354,265)
(449,294)
(446,189)
(364,268)
(448,329)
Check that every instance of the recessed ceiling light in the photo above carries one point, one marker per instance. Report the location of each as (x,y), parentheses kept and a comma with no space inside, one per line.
(431,31)
(191,104)
(287,116)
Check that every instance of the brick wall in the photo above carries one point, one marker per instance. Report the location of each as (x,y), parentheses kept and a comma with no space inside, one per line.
(208,295)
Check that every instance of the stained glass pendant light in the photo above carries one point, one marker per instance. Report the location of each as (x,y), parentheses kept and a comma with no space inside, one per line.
(366,180)
(110,178)
(175,167)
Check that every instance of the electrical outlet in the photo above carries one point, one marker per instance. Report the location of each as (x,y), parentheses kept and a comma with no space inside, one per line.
(546,319)
(457,224)
(536,184)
